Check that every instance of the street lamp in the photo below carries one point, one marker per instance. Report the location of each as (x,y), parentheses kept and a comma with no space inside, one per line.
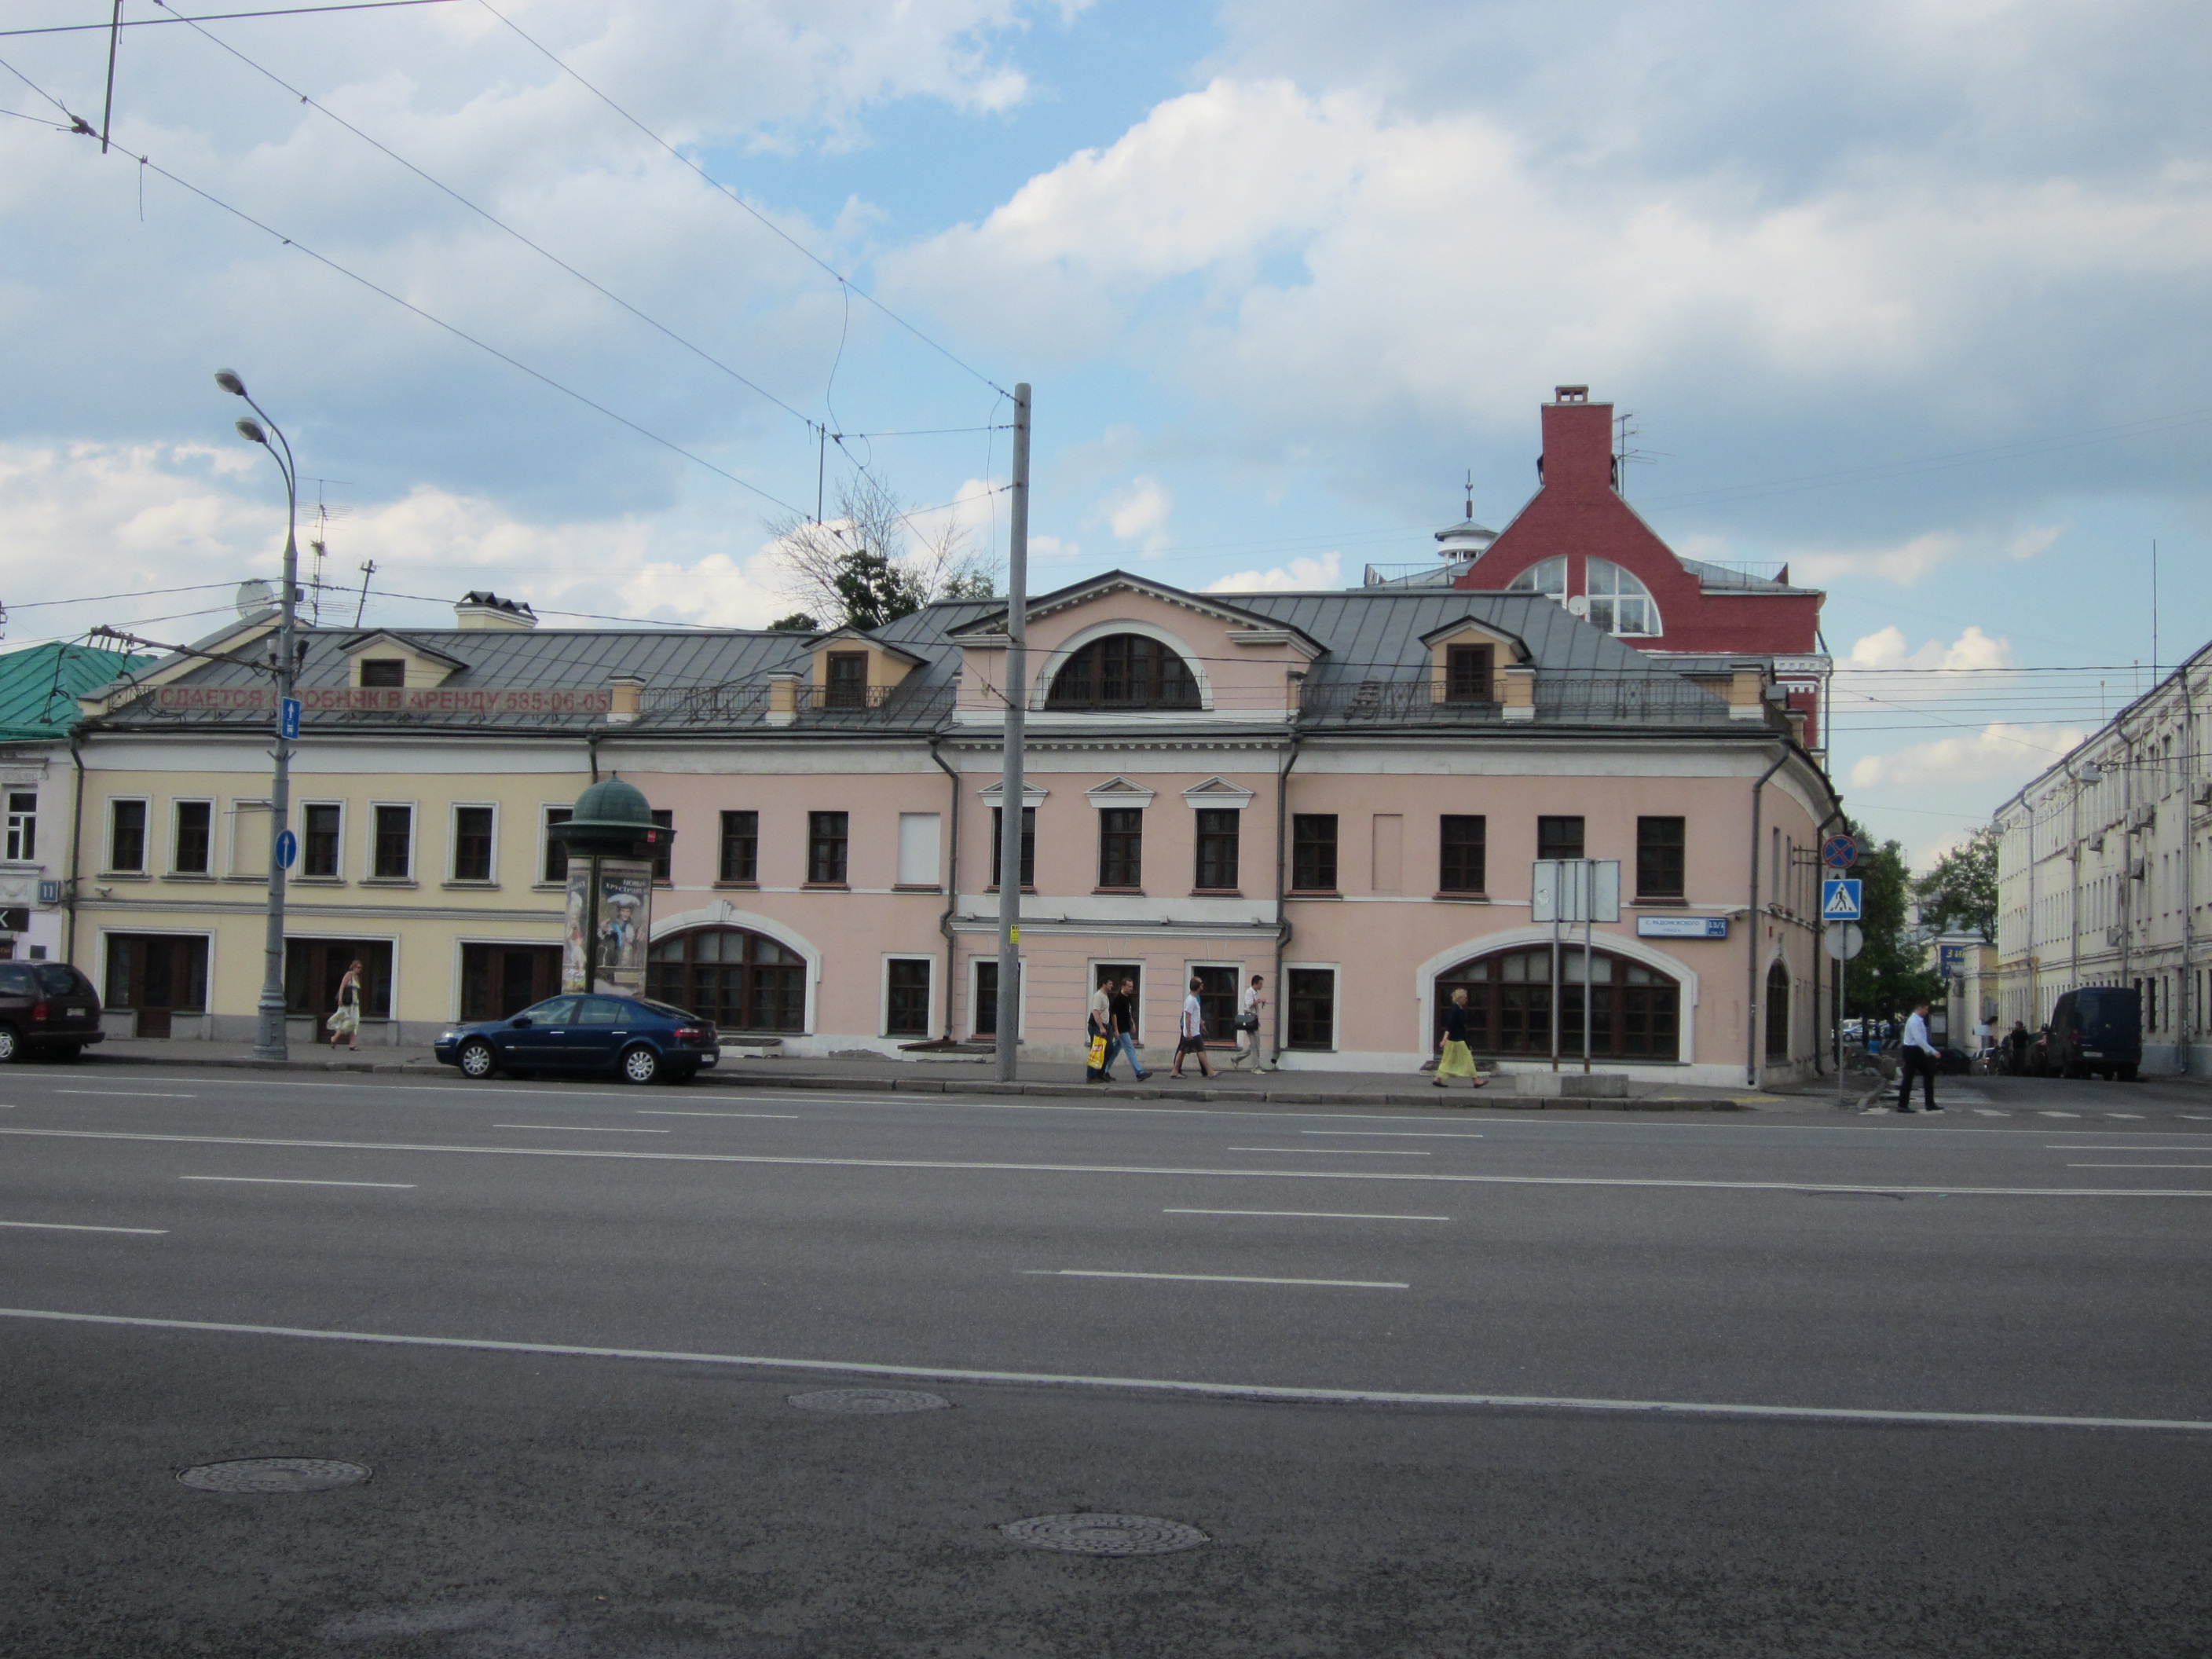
(269,1039)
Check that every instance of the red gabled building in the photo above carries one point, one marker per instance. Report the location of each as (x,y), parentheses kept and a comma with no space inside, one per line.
(1581,544)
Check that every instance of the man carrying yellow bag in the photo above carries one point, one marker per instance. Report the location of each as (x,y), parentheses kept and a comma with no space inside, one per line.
(1102,1030)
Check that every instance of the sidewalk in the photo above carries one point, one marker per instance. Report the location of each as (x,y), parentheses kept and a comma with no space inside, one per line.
(974,1075)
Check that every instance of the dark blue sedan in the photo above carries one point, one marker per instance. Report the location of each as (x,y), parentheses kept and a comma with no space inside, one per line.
(643,1041)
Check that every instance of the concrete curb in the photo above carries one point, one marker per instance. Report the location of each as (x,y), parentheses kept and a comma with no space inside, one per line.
(1429,1097)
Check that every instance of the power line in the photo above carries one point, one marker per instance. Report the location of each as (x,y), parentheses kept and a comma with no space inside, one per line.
(217,17)
(816,259)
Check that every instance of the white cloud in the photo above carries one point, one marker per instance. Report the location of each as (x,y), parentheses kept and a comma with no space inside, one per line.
(1300,575)
(2000,752)
(1887,648)
(1139,513)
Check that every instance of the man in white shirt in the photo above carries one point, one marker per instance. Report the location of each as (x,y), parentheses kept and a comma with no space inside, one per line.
(1192,1038)
(1915,1054)
(1101,1026)
(1248,1026)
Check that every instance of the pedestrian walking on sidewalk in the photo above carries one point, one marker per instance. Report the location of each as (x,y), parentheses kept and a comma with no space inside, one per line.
(1453,1058)
(1915,1054)
(1122,1007)
(345,1023)
(1192,1039)
(1099,1028)
(1248,1026)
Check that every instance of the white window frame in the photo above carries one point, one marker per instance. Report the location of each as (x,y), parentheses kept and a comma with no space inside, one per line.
(1240,974)
(414,844)
(17,854)
(145,837)
(337,873)
(176,802)
(538,876)
(936,882)
(884,994)
(1022,1006)
(453,843)
(242,804)
(1335,970)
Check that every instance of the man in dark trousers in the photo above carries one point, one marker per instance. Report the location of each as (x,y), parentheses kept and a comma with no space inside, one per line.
(1915,1054)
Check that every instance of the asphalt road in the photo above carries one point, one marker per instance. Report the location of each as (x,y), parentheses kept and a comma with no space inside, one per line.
(1791,1383)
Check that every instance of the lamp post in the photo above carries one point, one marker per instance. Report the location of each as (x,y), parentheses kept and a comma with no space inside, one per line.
(269,1039)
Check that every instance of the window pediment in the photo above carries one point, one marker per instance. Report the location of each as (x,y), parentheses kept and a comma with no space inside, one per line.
(1119,791)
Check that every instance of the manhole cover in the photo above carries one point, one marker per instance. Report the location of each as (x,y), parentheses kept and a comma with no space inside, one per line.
(267,1474)
(870,1403)
(1876,1198)
(1105,1535)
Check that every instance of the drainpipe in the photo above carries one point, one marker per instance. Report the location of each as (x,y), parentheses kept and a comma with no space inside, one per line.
(592,751)
(77,842)
(951,886)
(1751,1039)
(1282,906)
(1819,931)
(2188,1011)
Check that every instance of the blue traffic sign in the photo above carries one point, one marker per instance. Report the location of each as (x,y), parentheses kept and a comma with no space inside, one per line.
(288,718)
(288,848)
(1839,852)
(1839,901)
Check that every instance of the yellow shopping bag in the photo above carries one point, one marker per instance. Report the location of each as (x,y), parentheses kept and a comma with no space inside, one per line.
(1098,1054)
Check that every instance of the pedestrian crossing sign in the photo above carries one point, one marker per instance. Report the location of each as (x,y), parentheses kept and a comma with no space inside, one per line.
(1839,900)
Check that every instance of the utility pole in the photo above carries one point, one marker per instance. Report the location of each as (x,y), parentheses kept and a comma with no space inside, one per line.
(1010,785)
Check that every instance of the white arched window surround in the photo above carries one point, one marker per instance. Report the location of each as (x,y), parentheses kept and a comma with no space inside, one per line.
(1618,601)
(726,914)
(1041,684)
(1546,576)
(1619,944)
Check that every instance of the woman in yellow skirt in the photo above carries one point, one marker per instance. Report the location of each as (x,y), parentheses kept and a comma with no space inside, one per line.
(1453,1058)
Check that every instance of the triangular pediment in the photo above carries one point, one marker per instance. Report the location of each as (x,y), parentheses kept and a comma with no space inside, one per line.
(1218,792)
(1473,630)
(991,626)
(1118,791)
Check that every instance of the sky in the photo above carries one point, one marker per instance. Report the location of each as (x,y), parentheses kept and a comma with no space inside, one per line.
(557,298)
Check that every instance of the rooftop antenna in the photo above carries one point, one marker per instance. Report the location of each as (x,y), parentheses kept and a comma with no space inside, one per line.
(1470,492)
(2154,612)
(367,571)
(319,542)
(1624,456)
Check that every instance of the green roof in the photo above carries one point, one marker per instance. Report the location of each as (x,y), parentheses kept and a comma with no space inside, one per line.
(40,684)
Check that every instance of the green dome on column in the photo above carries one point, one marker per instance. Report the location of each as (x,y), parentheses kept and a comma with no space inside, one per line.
(612,818)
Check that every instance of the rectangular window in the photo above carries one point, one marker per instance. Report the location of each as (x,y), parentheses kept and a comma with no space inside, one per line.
(1121,846)
(1559,838)
(498,981)
(556,855)
(1462,854)
(1312,999)
(393,855)
(1466,673)
(1659,857)
(383,671)
(1216,849)
(740,859)
(318,848)
(917,849)
(195,836)
(23,826)
(984,1015)
(1028,846)
(315,968)
(664,846)
(126,836)
(905,997)
(847,680)
(472,840)
(1313,853)
(825,848)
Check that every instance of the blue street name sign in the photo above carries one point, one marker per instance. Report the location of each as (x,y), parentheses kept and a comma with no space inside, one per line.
(289,719)
(1839,852)
(1839,901)
(288,848)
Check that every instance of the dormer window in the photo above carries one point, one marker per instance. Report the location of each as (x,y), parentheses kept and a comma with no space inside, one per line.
(847,682)
(1466,673)
(1546,576)
(1123,671)
(383,671)
(1619,602)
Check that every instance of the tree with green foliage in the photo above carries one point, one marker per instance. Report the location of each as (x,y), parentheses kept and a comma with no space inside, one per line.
(871,565)
(1891,975)
(797,623)
(1959,895)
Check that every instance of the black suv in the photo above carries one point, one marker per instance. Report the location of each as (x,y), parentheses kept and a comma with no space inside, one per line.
(46,1004)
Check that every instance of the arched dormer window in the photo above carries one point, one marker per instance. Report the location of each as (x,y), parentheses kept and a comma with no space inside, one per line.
(1618,603)
(1546,576)
(1123,671)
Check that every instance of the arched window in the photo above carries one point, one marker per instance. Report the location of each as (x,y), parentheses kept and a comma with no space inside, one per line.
(1546,576)
(1618,603)
(1778,1011)
(1123,671)
(1635,1010)
(741,980)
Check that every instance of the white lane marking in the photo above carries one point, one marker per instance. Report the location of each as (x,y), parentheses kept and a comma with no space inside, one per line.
(285,1181)
(787,1117)
(78,1227)
(2137,1115)
(2139,1166)
(1399,1134)
(2197,1117)
(1314,1215)
(1145,1384)
(1989,1111)
(124,1094)
(2060,1147)
(982,1166)
(1335,1152)
(581,1129)
(1215,1278)
(2052,1114)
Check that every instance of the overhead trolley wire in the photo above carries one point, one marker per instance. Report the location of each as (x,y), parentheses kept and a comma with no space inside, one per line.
(217,17)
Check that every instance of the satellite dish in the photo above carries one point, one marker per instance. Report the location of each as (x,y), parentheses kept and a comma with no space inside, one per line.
(255,597)
(1578,605)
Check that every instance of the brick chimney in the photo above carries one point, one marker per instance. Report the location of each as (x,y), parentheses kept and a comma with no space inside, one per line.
(1578,442)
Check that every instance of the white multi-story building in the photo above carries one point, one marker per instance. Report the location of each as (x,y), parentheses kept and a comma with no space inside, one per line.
(2103,872)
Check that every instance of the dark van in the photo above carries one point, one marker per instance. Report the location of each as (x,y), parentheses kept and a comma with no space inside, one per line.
(46,1005)
(2098,1028)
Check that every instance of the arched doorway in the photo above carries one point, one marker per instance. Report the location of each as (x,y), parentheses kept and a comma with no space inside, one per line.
(1778,1011)
(741,980)
(1635,1010)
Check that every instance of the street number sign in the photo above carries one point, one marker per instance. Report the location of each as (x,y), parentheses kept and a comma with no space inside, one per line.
(1843,940)
(1839,900)
(1839,852)
(288,718)
(288,848)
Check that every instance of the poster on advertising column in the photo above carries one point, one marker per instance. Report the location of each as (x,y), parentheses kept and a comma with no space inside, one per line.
(609,918)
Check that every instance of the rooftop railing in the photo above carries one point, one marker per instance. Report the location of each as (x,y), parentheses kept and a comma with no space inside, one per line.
(1434,573)
(1743,573)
